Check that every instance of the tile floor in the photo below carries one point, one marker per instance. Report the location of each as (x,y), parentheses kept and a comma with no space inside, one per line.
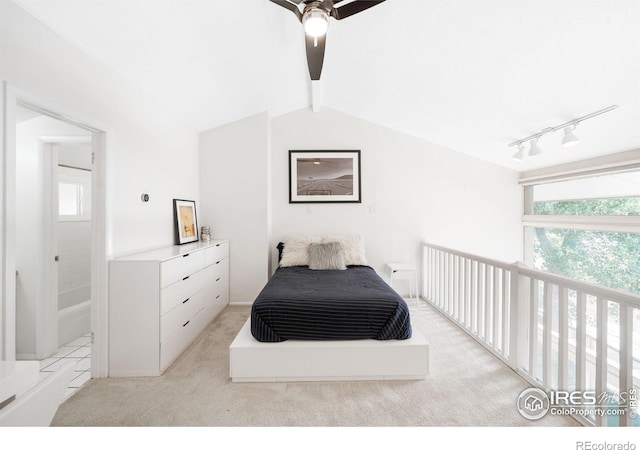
(78,351)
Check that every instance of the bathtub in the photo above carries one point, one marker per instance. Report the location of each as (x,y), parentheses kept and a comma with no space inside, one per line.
(73,322)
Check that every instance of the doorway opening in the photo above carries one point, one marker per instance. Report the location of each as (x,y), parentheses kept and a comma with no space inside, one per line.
(53,243)
(20,107)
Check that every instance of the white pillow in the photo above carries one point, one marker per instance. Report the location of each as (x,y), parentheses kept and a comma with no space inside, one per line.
(352,249)
(296,251)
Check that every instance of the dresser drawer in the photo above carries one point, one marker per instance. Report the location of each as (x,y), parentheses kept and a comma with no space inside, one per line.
(176,269)
(178,317)
(216,253)
(218,270)
(178,341)
(216,281)
(174,294)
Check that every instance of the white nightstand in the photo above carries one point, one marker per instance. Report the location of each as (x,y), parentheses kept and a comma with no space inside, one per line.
(403,271)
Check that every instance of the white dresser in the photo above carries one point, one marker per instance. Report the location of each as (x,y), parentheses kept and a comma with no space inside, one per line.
(160,301)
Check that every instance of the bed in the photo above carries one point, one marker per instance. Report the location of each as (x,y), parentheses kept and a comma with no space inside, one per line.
(304,304)
(326,314)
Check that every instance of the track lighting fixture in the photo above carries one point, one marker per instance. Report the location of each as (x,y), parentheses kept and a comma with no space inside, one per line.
(535,149)
(568,140)
(519,155)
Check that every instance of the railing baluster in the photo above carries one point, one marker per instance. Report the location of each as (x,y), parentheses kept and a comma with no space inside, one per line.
(439,288)
(467,292)
(563,336)
(533,327)
(506,303)
(426,272)
(581,341)
(454,286)
(481,277)
(448,285)
(487,302)
(601,352)
(473,292)
(496,309)
(546,336)
(461,277)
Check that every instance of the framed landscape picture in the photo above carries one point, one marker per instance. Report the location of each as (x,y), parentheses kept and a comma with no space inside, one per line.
(324,176)
(186,222)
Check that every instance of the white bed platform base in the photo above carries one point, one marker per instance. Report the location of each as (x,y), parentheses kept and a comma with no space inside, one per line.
(253,361)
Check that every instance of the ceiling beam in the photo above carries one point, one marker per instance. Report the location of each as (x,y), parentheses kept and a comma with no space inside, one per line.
(315,95)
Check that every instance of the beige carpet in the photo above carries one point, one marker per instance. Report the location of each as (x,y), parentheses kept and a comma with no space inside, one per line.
(467,386)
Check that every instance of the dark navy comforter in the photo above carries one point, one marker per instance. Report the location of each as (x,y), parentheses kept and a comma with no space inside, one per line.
(304,304)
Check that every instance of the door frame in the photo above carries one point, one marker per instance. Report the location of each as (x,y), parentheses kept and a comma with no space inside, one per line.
(12,98)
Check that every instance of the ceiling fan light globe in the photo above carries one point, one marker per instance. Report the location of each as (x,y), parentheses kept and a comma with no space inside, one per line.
(316,22)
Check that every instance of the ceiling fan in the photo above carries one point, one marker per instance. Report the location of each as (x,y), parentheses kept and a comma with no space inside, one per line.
(314,16)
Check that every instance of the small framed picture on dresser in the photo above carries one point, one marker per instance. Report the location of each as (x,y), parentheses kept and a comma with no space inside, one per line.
(186,221)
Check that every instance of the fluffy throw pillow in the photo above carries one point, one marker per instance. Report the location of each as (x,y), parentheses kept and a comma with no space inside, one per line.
(352,249)
(296,251)
(327,256)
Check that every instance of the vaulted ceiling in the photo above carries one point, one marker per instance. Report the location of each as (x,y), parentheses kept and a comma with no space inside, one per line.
(471,75)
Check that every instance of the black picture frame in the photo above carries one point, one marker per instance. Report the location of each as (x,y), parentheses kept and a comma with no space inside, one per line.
(325,176)
(185,221)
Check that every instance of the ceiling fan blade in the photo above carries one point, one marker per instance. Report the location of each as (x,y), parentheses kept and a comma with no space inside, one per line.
(341,12)
(291,6)
(315,55)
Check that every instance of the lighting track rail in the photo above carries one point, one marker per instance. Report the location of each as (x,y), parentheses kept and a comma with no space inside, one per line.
(568,140)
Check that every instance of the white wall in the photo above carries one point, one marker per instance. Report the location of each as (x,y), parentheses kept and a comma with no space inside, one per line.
(235,191)
(412,191)
(147,148)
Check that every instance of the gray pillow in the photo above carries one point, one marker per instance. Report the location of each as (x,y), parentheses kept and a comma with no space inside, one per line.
(327,256)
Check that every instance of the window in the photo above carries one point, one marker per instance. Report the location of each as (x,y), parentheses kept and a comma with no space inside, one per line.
(607,195)
(587,228)
(74,194)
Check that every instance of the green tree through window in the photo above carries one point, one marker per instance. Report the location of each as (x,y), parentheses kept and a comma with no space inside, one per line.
(610,259)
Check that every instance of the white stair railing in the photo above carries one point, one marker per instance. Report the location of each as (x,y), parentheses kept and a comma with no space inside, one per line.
(560,334)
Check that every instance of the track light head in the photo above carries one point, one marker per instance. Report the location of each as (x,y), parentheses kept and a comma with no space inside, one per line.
(535,148)
(569,138)
(519,155)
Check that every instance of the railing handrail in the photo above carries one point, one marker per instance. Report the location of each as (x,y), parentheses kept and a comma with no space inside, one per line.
(588,288)
(496,263)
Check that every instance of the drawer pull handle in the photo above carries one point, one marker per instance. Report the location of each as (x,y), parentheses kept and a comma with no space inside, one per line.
(186,323)
(217,296)
(217,280)
(185,255)
(186,278)
(217,245)
(186,300)
(217,262)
